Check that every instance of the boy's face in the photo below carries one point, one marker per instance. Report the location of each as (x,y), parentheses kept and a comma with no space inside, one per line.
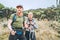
(30,16)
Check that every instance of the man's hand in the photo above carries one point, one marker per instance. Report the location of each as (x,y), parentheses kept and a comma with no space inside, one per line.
(13,32)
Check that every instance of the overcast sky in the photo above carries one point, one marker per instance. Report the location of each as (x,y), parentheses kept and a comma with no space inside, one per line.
(29,4)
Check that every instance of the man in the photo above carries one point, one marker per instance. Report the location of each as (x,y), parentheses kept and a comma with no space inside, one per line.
(15,24)
(30,25)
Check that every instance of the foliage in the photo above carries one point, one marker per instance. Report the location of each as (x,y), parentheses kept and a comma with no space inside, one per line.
(1,6)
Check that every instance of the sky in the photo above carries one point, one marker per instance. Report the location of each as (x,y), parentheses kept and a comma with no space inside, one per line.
(29,4)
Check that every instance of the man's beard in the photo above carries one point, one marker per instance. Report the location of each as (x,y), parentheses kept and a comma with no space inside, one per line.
(19,12)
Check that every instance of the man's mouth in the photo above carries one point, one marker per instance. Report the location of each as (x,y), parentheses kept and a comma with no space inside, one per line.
(19,11)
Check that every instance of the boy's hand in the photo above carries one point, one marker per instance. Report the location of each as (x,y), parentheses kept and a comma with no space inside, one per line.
(29,28)
(31,23)
(26,25)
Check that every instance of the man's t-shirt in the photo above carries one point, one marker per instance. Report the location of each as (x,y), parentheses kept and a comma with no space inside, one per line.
(19,21)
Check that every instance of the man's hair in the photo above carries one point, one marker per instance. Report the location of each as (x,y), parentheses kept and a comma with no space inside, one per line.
(19,6)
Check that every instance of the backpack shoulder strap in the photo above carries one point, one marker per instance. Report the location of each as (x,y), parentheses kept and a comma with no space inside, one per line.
(23,18)
(23,21)
(14,18)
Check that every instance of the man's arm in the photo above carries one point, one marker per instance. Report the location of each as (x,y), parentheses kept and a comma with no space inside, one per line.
(10,21)
(9,24)
(10,27)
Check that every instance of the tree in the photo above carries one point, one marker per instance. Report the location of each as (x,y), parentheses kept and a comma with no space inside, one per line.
(1,6)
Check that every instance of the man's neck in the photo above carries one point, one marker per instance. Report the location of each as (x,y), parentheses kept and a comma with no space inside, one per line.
(20,14)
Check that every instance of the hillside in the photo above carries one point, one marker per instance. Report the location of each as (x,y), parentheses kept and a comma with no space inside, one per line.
(44,32)
(48,21)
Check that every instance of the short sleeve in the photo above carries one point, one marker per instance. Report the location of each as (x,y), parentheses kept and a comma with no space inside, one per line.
(11,17)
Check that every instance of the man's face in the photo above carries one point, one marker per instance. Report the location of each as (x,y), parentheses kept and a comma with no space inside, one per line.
(19,10)
(30,16)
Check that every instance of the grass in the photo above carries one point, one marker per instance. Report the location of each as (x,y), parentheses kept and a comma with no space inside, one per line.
(44,32)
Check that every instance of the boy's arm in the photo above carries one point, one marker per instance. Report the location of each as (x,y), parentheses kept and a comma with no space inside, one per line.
(35,25)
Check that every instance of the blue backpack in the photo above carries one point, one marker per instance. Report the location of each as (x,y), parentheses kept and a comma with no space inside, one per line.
(19,32)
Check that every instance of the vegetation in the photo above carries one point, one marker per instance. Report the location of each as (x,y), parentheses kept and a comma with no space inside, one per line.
(48,20)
